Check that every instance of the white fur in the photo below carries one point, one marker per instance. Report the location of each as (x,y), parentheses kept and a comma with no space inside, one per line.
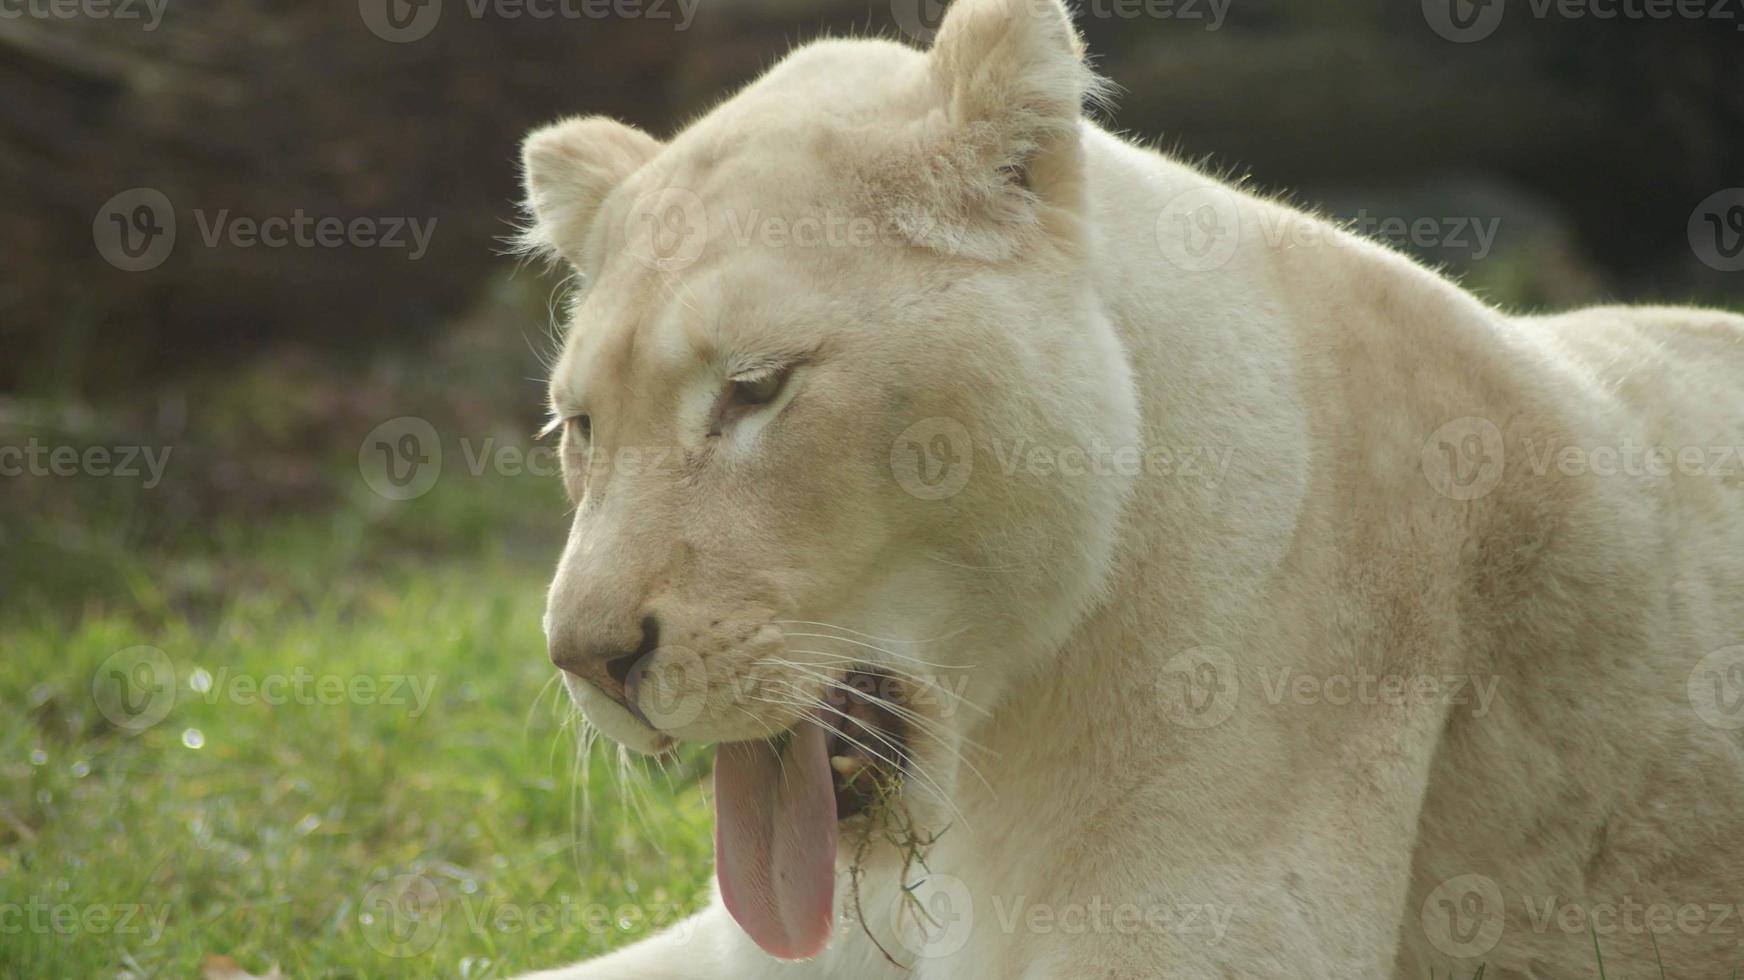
(1040,295)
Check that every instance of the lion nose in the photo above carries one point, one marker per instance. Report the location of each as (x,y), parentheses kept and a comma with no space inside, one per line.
(609,667)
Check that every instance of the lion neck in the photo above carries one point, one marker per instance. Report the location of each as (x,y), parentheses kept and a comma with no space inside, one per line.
(1231,400)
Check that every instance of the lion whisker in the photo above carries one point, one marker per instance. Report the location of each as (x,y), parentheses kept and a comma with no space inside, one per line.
(913,765)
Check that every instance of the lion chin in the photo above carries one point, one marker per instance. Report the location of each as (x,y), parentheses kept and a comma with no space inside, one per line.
(1085,568)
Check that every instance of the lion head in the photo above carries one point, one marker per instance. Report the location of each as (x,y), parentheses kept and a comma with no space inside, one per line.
(810,332)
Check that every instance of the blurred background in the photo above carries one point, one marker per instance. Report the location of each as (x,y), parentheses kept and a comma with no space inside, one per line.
(273,526)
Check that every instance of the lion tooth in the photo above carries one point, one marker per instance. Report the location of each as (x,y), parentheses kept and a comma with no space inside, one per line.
(846,766)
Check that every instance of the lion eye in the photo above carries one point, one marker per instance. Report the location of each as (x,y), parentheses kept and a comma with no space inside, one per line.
(760,390)
(577,436)
(747,394)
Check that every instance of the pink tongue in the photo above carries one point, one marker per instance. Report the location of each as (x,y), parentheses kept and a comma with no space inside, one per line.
(775,841)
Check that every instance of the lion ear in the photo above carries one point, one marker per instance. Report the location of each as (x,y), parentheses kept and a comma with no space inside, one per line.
(569,168)
(1010,78)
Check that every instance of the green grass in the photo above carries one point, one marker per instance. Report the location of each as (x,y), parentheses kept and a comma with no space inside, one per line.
(381,830)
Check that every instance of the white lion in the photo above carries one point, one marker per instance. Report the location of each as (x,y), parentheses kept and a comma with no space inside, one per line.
(1089,570)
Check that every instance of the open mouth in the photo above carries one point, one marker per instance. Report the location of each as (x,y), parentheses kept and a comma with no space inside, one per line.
(869,745)
(779,805)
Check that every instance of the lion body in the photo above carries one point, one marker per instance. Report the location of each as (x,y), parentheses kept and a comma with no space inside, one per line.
(1413,642)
